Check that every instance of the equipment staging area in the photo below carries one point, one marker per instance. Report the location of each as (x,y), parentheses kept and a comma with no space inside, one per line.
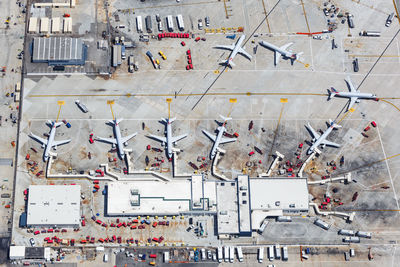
(107,191)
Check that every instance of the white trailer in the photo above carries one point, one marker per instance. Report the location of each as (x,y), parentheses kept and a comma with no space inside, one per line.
(219,253)
(322,224)
(351,239)
(260,254)
(277,252)
(271,254)
(346,232)
(32,25)
(170,23)
(285,254)
(263,226)
(231,254)
(139,24)
(181,25)
(166,256)
(363,234)
(226,254)
(67,25)
(239,253)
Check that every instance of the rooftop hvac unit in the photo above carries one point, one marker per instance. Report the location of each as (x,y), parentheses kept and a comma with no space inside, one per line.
(134,191)
(134,202)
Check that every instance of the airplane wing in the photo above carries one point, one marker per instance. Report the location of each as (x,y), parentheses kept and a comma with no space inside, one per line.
(352,102)
(284,47)
(244,53)
(277,57)
(128,137)
(177,138)
(350,85)
(227,47)
(312,131)
(329,143)
(61,142)
(158,138)
(39,139)
(209,135)
(107,140)
(227,140)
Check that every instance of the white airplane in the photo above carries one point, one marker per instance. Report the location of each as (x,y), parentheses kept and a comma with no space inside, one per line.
(320,140)
(50,142)
(168,141)
(353,94)
(118,141)
(235,48)
(218,139)
(281,52)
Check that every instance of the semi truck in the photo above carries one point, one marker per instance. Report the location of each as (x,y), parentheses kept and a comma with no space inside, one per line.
(277,252)
(260,254)
(346,232)
(285,254)
(239,253)
(219,254)
(389,19)
(370,33)
(149,27)
(148,53)
(322,224)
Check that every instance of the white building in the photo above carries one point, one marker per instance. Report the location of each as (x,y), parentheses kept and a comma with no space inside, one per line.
(54,205)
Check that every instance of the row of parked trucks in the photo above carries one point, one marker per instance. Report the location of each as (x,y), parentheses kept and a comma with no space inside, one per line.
(169,23)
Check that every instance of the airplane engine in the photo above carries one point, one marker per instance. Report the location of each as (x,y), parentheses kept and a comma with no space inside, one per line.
(113,145)
(126,143)
(55,147)
(43,145)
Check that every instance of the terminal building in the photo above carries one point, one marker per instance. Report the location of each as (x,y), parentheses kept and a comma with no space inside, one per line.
(59,51)
(53,206)
(239,205)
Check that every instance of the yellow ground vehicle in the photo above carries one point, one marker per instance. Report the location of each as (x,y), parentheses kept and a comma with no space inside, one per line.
(162,55)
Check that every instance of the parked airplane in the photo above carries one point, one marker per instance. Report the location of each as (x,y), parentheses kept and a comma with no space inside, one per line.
(320,140)
(235,48)
(353,94)
(281,52)
(168,141)
(218,139)
(50,142)
(118,141)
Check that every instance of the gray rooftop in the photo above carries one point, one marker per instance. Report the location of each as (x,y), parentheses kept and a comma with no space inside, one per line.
(57,49)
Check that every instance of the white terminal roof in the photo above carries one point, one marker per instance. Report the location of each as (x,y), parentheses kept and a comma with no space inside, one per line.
(54,205)
(156,197)
(287,194)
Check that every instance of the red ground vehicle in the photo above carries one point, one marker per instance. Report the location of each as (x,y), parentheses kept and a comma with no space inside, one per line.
(83,223)
(153,256)
(36,232)
(251,153)
(373,123)
(183,43)
(155,239)
(197,39)
(155,224)
(91,138)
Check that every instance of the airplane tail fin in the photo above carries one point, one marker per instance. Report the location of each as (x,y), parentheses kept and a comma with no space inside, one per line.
(334,124)
(296,57)
(225,118)
(331,93)
(228,63)
(170,120)
(57,124)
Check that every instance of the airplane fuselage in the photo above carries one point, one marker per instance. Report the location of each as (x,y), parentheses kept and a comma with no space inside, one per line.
(221,131)
(319,140)
(169,138)
(284,53)
(49,144)
(236,49)
(353,94)
(120,145)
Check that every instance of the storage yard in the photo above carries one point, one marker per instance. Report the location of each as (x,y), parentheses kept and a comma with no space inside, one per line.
(222,132)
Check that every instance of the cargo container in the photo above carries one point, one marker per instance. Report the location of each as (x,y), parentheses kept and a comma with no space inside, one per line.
(239,253)
(170,23)
(149,27)
(44,25)
(231,254)
(32,25)
(351,239)
(181,25)
(346,232)
(322,224)
(139,24)
(277,252)
(219,254)
(55,25)
(271,254)
(260,256)
(285,254)
(363,234)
